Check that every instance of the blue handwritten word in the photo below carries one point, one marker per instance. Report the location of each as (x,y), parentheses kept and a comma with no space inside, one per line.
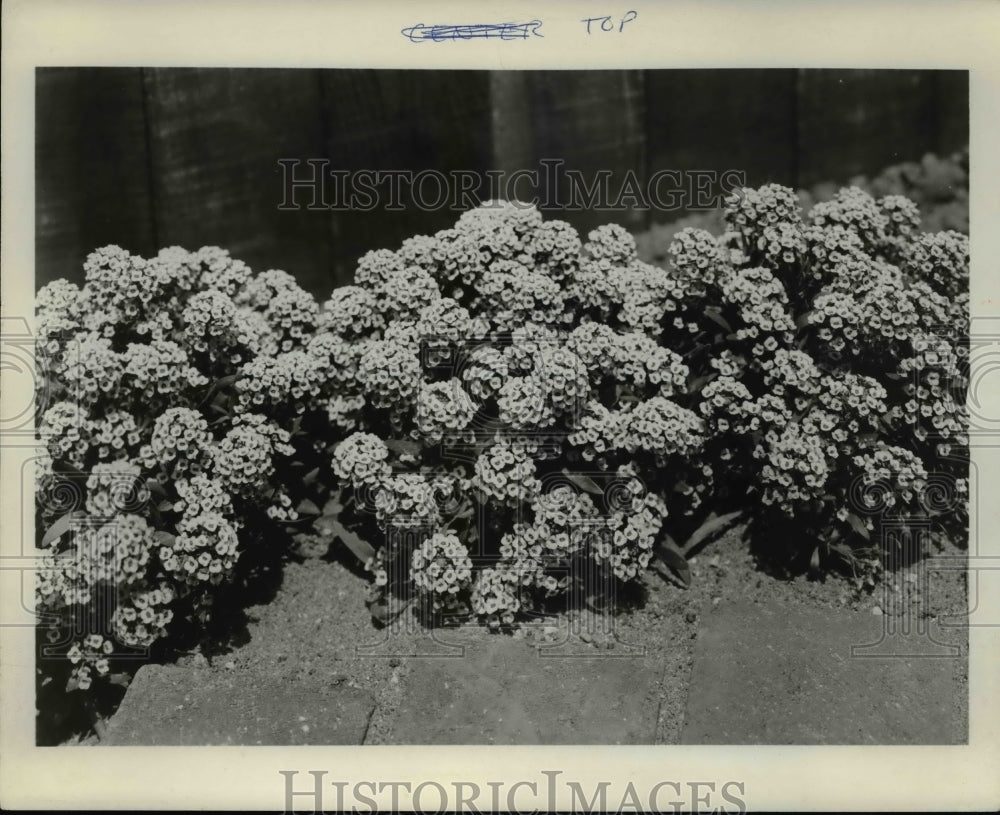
(607,25)
(475,31)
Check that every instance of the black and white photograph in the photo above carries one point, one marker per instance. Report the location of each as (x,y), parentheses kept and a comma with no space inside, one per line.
(641,408)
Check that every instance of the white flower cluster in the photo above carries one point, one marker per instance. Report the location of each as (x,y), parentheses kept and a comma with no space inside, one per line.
(902,217)
(180,441)
(631,358)
(352,313)
(627,544)
(407,500)
(204,550)
(665,429)
(890,478)
(941,260)
(90,369)
(292,315)
(114,488)
(485,373)
(506,473)
(362,460)
(697,259)
(856,210)
(523,403)
(795,467)
(442,570)
(389,373)
(171,386)
(761,302)
(511,295)
(444,409)
(244,458)
(496,599)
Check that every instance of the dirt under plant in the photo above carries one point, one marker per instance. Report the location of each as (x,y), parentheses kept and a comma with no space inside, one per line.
(316,623)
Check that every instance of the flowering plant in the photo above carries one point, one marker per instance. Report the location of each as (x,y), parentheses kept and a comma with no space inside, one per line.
(560,408)
(177,401)
(499,417)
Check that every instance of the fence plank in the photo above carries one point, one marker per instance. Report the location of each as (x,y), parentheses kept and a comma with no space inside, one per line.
(719,120)
(594,122)
(402,120)
(151,157)
(510,105)
(947,107)
(91,168)
(216,138)
(857,122)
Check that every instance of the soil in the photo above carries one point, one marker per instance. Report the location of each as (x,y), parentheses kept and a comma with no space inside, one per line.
(316,622)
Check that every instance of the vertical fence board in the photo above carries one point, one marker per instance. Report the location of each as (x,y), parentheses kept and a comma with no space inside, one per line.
(150,157)
(511,119)
(719,120)
(91,168)
(216,138)
(402,120)
(593,121)
(947,108)
(857,122)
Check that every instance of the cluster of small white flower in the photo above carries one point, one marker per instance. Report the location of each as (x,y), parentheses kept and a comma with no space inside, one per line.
(496,598)
(442,570)
(774,360)
(444,409)
(856,210)
(170,386)
(506,473)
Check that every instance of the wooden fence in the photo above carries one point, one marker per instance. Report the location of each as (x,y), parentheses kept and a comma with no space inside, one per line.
(154,157)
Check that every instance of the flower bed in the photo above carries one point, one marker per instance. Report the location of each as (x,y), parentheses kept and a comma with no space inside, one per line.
(498,419)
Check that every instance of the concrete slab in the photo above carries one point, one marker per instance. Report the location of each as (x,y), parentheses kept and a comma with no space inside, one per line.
(777,673)
(185,705)
(502,692)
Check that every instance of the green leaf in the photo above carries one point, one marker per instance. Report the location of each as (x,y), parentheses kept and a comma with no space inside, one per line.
(844,551)
(670,557)
(713,525)
(462,514)
(803,319)
(403,446)
(695,384)
(814,561)
(330,525)
(717,318)
(385,610)
(164,538)
(61,526)
(65,468)
(307,507)
(311,476)
(859,526)
(217,387)
(597,601)
(584,482)
(164,506)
